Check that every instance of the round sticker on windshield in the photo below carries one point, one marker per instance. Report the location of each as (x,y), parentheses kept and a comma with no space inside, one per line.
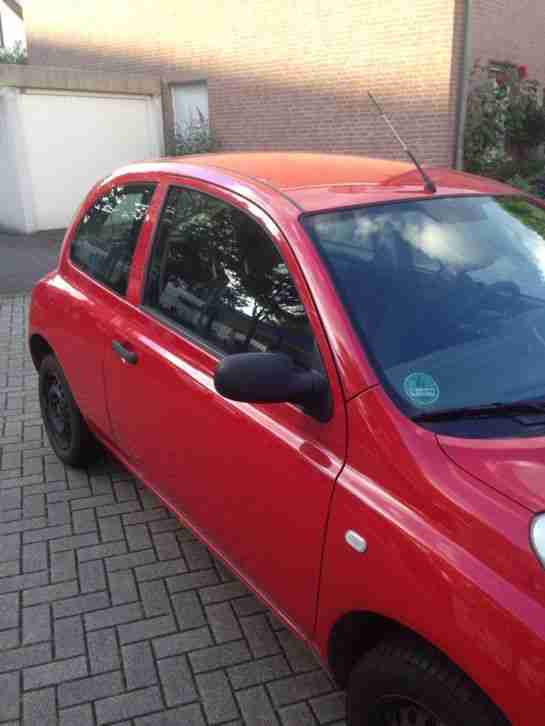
(421,389)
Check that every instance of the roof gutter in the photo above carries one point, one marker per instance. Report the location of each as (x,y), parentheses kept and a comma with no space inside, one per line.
(461,105)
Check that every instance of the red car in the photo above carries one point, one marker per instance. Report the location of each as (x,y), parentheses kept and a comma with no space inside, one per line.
(335,376)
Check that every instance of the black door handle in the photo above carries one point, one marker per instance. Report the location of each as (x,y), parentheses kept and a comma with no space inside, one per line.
(129,356)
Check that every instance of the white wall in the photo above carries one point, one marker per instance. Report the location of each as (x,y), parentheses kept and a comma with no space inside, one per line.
(62,143)
(13,214)
(13,27)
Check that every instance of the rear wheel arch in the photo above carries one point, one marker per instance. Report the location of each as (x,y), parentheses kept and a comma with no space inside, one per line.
(39,348)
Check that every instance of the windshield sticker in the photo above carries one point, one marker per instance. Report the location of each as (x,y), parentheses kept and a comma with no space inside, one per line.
(421,389)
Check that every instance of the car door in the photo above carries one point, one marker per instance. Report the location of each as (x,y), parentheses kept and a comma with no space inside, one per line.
(93,280)
(255,480)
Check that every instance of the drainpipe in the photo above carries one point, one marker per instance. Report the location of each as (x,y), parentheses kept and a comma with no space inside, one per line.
(461,105)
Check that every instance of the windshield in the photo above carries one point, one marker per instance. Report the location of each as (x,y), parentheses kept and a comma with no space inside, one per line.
(447,294)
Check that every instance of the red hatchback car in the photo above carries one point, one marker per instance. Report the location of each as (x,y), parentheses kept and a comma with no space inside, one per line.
(336,378)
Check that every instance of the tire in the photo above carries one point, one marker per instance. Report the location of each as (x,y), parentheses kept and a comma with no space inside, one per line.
(66,429)
(405,681)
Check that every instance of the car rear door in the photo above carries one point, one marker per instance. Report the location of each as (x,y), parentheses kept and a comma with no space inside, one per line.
(254,480)
(92,286)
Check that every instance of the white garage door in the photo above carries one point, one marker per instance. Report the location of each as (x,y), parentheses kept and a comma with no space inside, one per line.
(73,140)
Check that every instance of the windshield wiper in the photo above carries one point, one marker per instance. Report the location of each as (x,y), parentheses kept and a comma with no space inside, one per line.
(510,409)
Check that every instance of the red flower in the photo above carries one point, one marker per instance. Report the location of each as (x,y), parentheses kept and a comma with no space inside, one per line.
(523,72)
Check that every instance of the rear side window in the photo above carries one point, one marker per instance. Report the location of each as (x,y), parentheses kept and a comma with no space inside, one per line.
(215,272)
(106,238)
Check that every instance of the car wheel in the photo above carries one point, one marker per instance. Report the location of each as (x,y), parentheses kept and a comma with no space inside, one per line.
(406,682)
(66,429)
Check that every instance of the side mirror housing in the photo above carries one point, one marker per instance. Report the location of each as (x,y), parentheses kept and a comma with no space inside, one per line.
(272,378)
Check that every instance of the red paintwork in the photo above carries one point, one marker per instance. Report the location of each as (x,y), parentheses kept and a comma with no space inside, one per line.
(272,491)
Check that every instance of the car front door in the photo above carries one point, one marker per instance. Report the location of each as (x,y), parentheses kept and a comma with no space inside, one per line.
(255,480)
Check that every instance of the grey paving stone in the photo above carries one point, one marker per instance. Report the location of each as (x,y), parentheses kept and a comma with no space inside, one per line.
(10,696)
(39,708)
(299,657)
(22,525)
(124,562)
(160,569)
(177,681)
(299,688)
(141,517)
(261,638)
(219,593)
(90,689)
(139,665)
(192,580)
(69,639)
(30,655)
(113,616)
(256,707)
(182,642)
(155,598)
(196,555)
(217,697)
(138,537)
(63,566)
(219,656)
(47,533)
(248,605)
(84,520)
(10,547)
(101,551)
(145,629)
(54,673)
(36,624)
(111,529)
(103,650)
(123,508)
(129,705)
(223,622)
(329,708)
(122,587)
(58,513)
(73,543)
(50,593)
(77,716)
(258,671)
(92,576)
(34,505)
(91,502)
(299,714)
(9,639)
(166,545)
(188,609)
(20,582)
(81,604)
(35,557)
(184,716)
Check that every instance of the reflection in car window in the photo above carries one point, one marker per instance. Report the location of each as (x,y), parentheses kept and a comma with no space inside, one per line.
(447,294)
(216,272)
(106,238)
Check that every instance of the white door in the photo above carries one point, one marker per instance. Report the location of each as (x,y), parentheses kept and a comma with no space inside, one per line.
(73,140)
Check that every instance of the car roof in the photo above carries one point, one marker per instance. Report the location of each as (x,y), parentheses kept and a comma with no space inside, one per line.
(313,182)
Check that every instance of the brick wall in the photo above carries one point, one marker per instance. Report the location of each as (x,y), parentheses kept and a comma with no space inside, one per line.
(281,75)
(510,30)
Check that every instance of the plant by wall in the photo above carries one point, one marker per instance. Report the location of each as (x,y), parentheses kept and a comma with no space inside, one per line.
(505,119)
(195,136)
(17,54)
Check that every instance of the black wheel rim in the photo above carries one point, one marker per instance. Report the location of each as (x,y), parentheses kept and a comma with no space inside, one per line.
(397,711)
(57,411)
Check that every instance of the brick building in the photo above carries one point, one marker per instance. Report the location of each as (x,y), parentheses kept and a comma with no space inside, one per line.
(294,75)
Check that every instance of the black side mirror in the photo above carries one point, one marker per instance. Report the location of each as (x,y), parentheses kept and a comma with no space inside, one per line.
(272,378)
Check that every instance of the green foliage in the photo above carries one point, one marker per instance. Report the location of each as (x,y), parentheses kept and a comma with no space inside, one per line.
(505,120)
(195,137)
(17,54)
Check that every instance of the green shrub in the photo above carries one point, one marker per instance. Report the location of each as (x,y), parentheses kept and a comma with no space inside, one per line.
(17,54)
(195,137)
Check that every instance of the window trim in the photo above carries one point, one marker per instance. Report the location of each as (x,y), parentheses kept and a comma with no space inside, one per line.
(177,327)
(73,263)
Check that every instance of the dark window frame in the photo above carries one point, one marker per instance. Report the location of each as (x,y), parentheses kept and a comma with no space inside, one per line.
(154,186)
(177,327)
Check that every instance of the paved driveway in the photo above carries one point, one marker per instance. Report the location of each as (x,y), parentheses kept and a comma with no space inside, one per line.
(26,258)
(110,611)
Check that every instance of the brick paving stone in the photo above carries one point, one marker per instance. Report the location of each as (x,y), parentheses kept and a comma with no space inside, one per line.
(111,611)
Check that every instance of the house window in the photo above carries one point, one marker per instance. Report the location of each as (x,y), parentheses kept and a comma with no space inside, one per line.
(190,103)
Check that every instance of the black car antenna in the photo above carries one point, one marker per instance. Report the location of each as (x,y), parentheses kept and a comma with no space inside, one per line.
(428,184)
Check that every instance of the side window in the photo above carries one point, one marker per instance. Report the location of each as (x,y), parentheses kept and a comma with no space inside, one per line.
(104,243)
(216,272)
